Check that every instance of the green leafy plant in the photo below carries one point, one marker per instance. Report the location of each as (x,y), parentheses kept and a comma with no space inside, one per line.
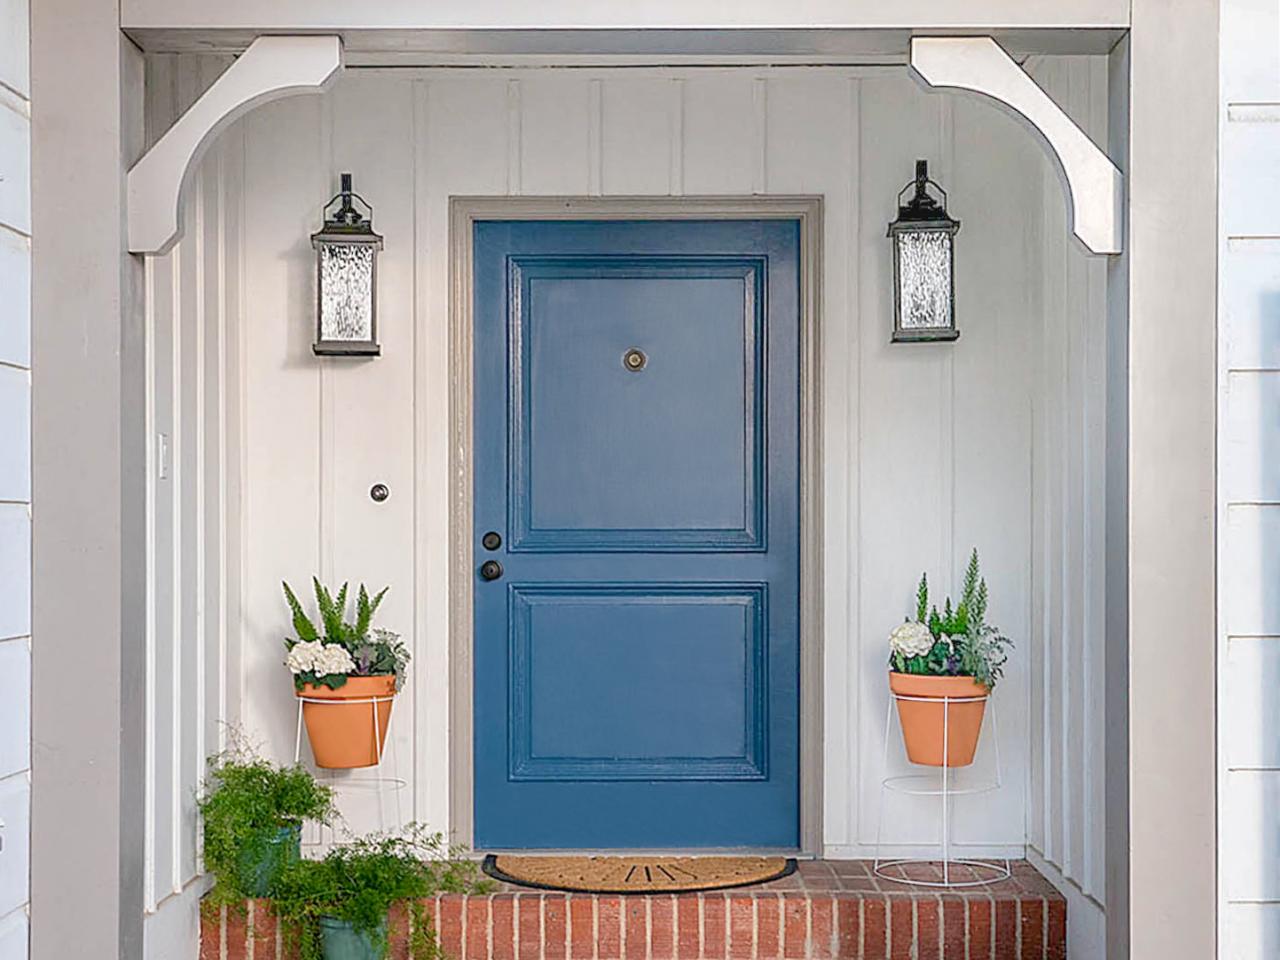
(358,883)
(956,641)
(326,654)
(245,802)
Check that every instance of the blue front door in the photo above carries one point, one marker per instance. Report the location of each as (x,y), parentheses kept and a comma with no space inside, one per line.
(636,631)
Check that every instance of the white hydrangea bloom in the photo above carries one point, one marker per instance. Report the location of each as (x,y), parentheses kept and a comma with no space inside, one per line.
(333,658)
(302,656)
(911,639)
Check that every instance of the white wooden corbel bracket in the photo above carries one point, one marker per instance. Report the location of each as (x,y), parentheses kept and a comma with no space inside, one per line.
(1095,188)
(271,69)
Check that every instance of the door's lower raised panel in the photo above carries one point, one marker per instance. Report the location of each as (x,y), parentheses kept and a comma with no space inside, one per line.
(656,682)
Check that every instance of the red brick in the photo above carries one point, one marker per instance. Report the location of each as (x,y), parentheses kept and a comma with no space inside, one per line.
(555,926)
(688,927)
(928,929)
(713,926)
(980,930)
(662,922)
(822,924)
(237,931)
(848,928)
(529,926)
(953,929)
(262,930)
(397,933)
(902,932)
(1056,944)
(768,927)
(875,929)
(1031,929)
(635,910)
(211,932)
(477,928)
(609,925)
(502,914)
(1006,930)
(450,928)
(795,927)
(741,927)
(582,928)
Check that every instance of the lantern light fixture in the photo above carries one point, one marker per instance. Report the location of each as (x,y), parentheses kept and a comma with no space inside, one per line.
(346,278)
(924,299)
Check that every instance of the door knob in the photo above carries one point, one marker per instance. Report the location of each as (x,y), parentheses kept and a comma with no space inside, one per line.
(491,570)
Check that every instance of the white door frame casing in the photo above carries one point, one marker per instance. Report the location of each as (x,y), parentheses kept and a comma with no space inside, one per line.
(464,212)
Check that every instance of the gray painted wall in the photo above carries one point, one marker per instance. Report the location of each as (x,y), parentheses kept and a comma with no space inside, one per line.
(15,477)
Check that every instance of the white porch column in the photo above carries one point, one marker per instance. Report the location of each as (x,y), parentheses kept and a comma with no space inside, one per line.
(86,825)
(1172,283)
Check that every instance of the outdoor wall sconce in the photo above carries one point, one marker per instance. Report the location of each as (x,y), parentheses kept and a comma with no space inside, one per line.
(924,293)
(347,279)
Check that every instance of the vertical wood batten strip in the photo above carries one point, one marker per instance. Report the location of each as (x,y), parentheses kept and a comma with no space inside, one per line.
(852,271)
(177,477)
(515,138)
(326,447)
(198,528)
(675,170)
(760,118)
(149,734)
(421,310)
(595,137)
(947,427)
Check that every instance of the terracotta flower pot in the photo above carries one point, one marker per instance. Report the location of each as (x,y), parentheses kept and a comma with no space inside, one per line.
(342,734)
(922,720)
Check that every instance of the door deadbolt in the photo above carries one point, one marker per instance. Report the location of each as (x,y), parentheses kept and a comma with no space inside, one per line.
(491,570)
(491,540)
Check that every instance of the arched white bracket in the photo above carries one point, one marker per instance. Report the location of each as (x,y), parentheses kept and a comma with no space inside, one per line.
(1094,186)
(271,69)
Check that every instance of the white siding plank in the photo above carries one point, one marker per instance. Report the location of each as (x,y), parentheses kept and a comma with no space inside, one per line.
(1251,716)
(15,67)
(555,148)
(1251,931)
(721,141)
(1250,304)
(287,179)
(15,811)
(1251,438)
(15,434)
(13,936)
(1252,551)
(636,135)
(15,706)
(1251,835)
(812,149)
(15,570)
(15,304)
(15,166)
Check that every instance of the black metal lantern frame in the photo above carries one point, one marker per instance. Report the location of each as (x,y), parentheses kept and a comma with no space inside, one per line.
(347,278)
(924,293)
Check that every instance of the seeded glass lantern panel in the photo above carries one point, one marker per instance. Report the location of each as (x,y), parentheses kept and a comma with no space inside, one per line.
(923,264)
(347,279)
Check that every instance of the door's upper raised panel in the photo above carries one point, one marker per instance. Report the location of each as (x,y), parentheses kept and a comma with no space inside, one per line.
(665,455)
(638,682)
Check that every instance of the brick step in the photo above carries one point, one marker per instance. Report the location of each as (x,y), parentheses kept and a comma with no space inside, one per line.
(1020,919)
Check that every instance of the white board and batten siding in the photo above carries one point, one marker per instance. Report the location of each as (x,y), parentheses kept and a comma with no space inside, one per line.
(928,450)
(1249,482)
(15,478)
(192,577)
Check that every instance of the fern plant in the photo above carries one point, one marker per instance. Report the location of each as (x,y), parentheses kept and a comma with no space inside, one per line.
(955,641)
(328,652)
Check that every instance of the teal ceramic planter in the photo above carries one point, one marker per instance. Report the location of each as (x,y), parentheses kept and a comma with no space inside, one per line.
(341,941)
(262,861)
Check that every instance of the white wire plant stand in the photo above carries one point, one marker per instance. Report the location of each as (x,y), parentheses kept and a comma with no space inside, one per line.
(941,784)
(385,776)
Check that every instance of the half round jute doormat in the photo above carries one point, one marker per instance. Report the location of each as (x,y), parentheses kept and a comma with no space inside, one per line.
(636,874)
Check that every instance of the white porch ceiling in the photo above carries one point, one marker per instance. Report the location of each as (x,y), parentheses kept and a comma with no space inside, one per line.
(851,30)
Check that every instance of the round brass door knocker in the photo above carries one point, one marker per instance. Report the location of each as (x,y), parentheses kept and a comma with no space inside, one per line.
(634,360)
